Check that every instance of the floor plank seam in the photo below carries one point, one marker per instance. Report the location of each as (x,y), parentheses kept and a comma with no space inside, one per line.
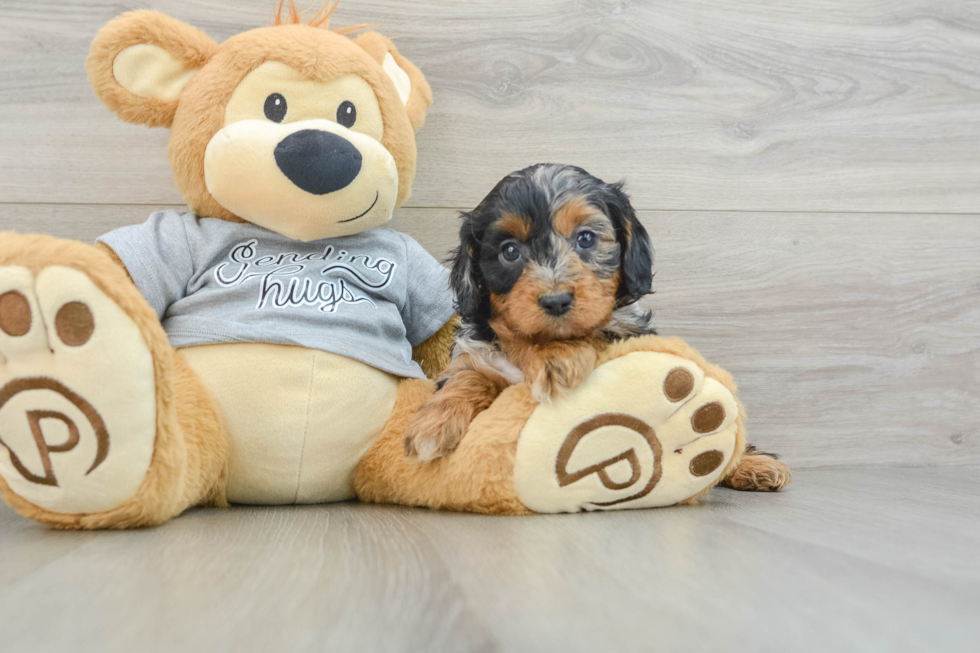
(637,208)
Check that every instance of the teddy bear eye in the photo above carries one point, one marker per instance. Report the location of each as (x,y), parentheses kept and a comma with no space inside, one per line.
(275,107)
(347,114)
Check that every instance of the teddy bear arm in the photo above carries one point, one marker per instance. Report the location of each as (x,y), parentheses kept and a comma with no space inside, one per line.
(433,355)
(115,257)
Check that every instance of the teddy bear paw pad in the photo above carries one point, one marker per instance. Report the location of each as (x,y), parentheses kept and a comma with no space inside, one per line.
(77,393)
(646,429)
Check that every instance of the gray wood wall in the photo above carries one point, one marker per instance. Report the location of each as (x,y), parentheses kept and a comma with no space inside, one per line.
(809,172)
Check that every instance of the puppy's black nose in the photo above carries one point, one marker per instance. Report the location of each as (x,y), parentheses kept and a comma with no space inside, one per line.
(556,305)
(317,161)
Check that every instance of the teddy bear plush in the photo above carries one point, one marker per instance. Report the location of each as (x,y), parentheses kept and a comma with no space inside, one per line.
(270,345)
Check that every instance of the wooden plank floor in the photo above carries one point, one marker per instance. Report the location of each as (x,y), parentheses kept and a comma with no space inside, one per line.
(845,560)
(866,105)
(809,175)
(818,163)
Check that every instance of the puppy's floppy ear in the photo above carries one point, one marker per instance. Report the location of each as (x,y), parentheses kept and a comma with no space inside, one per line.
(465,278)
(636,269)
(409,81)
(140,62)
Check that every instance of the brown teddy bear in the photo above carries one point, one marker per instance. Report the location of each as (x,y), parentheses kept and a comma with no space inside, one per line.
(270,346)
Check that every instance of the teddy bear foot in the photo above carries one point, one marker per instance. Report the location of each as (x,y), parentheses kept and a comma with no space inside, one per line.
(646,429)
(77,395)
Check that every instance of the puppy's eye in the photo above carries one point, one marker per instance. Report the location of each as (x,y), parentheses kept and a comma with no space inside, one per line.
(586,240)
(275,107)
(347,114)
(510,252)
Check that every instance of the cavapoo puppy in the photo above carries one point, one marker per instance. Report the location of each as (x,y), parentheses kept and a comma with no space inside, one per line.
(550,269)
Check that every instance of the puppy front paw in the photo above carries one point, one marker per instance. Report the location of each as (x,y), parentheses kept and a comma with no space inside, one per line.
(435,431)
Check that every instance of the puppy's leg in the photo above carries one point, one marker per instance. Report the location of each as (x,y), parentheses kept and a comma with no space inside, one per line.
(555,368)
(441,422)
(758,472)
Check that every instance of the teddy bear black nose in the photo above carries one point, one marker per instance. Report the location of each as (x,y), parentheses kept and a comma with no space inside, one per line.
(317,161)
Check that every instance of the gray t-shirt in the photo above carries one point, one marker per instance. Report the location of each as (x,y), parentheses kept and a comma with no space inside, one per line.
(371,296)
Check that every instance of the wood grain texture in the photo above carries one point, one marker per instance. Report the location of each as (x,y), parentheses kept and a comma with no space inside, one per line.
(855,339)
(798,165)
(870,105)
(854,560)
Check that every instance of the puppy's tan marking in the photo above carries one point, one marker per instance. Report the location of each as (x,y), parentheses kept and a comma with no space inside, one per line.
(551,368)
(572,213)
(519,308)
(593,303)
(516,226)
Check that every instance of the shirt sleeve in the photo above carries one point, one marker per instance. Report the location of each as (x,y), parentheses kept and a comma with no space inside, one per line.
(157,256)
(429,301)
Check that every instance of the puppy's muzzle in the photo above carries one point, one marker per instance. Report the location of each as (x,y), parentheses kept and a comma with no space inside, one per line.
(556,305)
(317,161)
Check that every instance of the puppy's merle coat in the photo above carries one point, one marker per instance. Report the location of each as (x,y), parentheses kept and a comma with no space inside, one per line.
(550,268)
(539,221)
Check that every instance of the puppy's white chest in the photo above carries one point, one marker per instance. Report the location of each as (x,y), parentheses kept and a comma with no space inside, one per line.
(506,369)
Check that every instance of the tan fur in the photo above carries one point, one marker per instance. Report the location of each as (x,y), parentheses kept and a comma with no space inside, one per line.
(322,17)
(421,98)
(321,56)
(758,473)
(318,53)
(190,449)
(434,355)
(102,247)
(515,225)
(553,368)
(678,347)
(441,422)
(518,315)
(595,299)
(555,355)
(573,213)
(478,477)
(190,459)
(189,463)
(185,43)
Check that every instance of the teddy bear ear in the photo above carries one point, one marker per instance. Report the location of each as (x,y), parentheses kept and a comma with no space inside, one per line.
(140,62)
(409,81)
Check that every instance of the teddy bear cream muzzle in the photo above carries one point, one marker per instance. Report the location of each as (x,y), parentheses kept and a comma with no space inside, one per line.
(306,180)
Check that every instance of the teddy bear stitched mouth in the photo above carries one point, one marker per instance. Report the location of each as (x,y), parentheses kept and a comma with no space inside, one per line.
(377,194)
